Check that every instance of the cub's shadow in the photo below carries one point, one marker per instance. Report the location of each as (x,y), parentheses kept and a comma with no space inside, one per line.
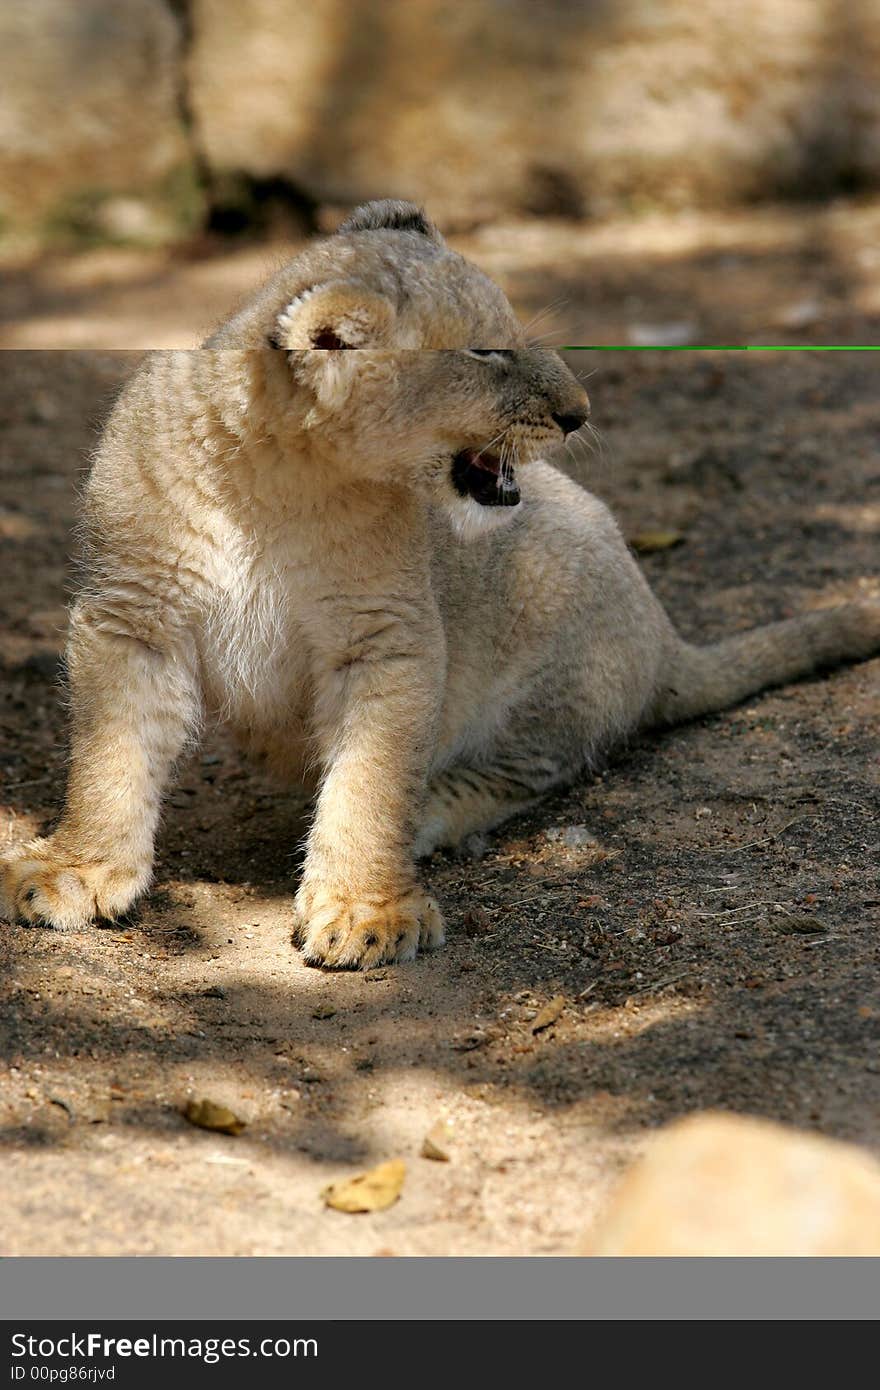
(225,822)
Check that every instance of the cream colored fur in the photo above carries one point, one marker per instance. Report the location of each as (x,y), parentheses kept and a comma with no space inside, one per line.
(274,539)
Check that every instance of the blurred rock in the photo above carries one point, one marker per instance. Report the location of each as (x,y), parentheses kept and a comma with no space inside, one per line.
(559,109)
(717,1184)
(662,334)
(90,106)
(495,108)
(806,313)
(570,836)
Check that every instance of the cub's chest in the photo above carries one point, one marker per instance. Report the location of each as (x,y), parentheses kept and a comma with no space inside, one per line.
(253,653)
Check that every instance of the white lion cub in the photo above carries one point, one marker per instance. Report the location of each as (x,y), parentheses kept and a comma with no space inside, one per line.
(359,561)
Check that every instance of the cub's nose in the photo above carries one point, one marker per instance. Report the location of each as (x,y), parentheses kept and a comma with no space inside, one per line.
(571,420)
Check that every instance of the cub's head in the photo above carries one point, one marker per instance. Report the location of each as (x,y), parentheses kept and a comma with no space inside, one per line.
(413,364)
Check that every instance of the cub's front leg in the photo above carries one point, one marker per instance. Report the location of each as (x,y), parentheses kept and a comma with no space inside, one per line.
(377,700)
(131,708)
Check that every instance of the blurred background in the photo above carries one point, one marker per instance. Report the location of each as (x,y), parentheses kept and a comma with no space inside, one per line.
(659,171)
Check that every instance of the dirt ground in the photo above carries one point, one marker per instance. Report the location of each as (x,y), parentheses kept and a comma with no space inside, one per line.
(707,907)
(788,274)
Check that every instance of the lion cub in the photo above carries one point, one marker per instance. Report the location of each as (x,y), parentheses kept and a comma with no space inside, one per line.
(359,561)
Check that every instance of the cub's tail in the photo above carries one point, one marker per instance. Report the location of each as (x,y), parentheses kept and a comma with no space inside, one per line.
(701,680)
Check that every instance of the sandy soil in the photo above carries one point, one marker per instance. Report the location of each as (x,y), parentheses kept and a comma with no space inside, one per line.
(707,907)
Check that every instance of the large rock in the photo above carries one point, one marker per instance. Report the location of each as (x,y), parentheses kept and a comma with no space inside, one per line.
(722,1185)
(479,109)
(91,134)
(498,106)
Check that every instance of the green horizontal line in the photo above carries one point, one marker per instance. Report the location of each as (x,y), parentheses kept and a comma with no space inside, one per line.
(721,347)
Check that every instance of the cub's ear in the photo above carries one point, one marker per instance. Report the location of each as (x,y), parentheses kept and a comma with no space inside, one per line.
(319,325)
(390,214)
(342,314)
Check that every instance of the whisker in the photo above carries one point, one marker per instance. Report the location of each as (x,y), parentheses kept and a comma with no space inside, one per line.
(597,444)
(500,435)
(557,303)
(537,340)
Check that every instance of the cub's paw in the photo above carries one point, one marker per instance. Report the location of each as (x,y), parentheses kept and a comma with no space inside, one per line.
(357,933)
(42,883)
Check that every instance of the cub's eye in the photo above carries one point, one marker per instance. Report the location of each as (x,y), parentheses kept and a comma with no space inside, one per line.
(488,352)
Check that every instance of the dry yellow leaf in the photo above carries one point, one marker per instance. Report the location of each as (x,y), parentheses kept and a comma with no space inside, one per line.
(549,1013)
(372,1191)
(798,923)
(436,1142)
(208,1115)
(646,541)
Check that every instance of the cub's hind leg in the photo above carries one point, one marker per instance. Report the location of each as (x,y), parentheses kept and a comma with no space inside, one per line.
(466,799)
(132,707)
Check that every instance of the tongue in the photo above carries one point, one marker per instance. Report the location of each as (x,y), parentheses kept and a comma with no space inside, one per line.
(482,476)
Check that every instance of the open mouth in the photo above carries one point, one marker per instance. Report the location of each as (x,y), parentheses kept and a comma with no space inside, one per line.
(482,476)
